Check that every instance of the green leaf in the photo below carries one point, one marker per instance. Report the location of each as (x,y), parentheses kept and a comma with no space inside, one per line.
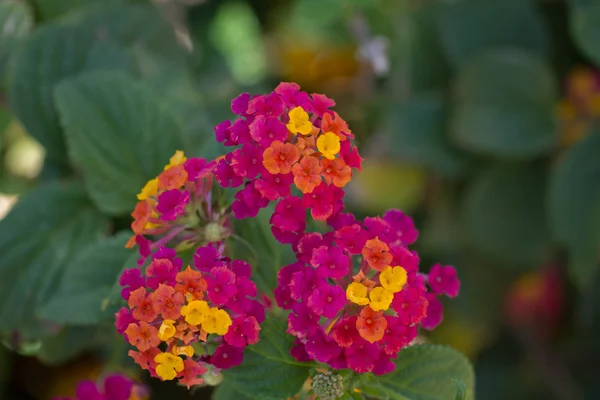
(417,135)
(461,390)
(118,134)
(585,28)
(505,105)
(255,244)
(470,27)
(227,392)
(15,23)
(426,372)
(38,238)
(87,281)
(574,196)
(36,70)
(50,9)
(504,214)
(268,371)
(68,343)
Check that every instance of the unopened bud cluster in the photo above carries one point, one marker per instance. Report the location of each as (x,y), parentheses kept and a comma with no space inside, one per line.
(327,386)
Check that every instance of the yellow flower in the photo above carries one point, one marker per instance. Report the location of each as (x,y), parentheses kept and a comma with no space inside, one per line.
(329,145)
(177,159)
(168,366)
(357,293)
(299,122)
(183,350)
(217,321)
(393,278)
(149,190)
(381,299)
(195,312)
(167,330)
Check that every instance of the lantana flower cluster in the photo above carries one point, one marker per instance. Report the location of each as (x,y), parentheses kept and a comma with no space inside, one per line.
(356,296)
(284,140)
(112,387)
(178,207)
(180,321)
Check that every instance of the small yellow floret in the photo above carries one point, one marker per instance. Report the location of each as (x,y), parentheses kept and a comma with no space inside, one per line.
(167,330)
(195,312)
(299,121)
(149,190)
(393,278)
(217,321)
(183,351)
(329,145)
(168,366)
(357,293)
(177,159)
(381,299)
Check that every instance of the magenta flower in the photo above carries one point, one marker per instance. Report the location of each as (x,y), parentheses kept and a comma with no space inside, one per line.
(123,318)
(345,332)
(339,220)
(303,283)
(402,226)
(361,356)
(410,304)
(242,269)
(117,387)
(285,237)
(434,312)
(221,285)
(239,105)
(444,280)
(320,201)
(308,242)
(331,262)
(327,300)
(243,331)
(298,351)
(322,347)
(247,161)
(289,215)
(240,132)
(131,279)
(397,335)
(383,365)
(223,134)
(87,390)
(265,130)
(268,104)
(257,310)
(240,302)
(248,202)
(351,238)
(197,168)
(321,104)
(225,175)
(227,356)
(161,270)
(172,204)
(273,187)
(302,322)
(291,95)
(206,258)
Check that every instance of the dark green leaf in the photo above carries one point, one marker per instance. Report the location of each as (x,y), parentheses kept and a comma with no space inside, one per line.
(255,243)
(226,392)
(15,24)
(505,105)
(470,27)
(268,371)
(585,27)
(49,9)
(574,198)
(68,343)
(426,372)
(38,238)
(87,281)
(118,134)
(417,135)
(505,217)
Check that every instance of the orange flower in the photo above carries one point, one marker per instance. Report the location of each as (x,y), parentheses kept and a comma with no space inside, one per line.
(141,214)
(336,171)
(142,302)
(173,178)
(145,359)
(307,174)
(307,145)
(336,125)
(185,332)
(376,254)
(191,284)
(279,158)
(371,324)
(166,302)
(143,336)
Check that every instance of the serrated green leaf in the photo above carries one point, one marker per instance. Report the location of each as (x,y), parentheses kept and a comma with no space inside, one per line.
(505,105)
(36,71)
(504,215)
(38,238)
(255,244)
(87,281)
(470,27)
(574,196)
(426,372)
(461,389)
(585,28)
(15,23)
(417,135)
(268,371)
(118,134)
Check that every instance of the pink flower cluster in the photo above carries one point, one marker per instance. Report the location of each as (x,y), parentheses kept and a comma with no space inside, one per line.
(113,387)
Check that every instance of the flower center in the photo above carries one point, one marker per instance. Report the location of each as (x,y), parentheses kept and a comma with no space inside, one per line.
(329,299)
(282,157)
(369,321)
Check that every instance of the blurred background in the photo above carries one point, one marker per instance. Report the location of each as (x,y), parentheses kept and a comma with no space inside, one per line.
(476,117)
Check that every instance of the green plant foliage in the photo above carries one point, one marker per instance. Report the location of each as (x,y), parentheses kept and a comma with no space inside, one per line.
(38,238)
(50,9)
(585,26)
(574,196)
(505,104)
(469,28)
(268,371)
(16,22)
(504,213)
(87,281)
(427,372)
(68,343)
(418,135)
(115,127)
